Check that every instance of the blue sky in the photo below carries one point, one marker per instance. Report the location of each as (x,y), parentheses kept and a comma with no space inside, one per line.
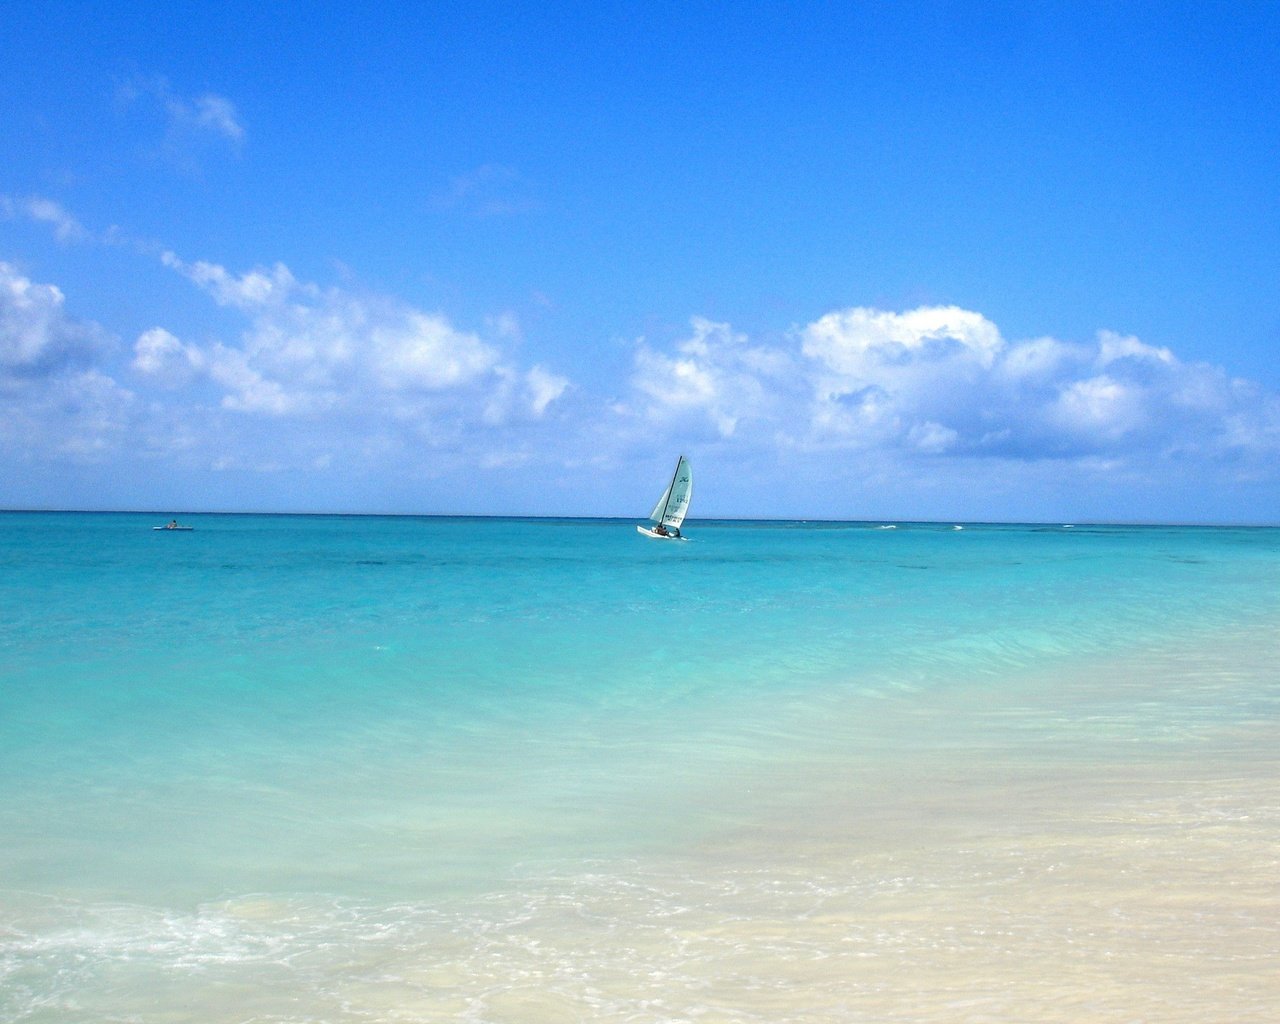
(889,261)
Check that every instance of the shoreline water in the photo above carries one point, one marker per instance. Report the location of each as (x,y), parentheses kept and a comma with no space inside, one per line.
(886,806)
(971,888)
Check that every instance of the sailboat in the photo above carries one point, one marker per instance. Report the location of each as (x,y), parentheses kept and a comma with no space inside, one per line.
(669,513)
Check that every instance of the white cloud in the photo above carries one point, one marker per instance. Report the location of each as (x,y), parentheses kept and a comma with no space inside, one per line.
(340,379)
(95,413)
(346,378)
(55,399)
(37,336)
(415,350)
(1040,360)
(193,127)
(942,381)
(522,396)
(163,358)
(210,112)
(65,227)
(248,390)
(307,349)
(543,387)
(254,289)
(78,415)
(1113,347)
(714,377)
(932,438)
(1100,408)
(860,343)
(882,378)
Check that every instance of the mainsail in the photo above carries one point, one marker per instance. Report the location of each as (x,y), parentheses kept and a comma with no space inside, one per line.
(674,502)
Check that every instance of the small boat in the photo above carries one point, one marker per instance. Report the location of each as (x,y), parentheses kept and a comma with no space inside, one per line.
(173,525)
(669,512)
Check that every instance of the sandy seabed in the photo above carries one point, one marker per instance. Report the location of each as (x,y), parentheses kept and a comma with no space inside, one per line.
(1089,852)
(1139,898)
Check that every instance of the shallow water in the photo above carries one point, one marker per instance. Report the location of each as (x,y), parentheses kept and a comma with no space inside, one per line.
(329,768)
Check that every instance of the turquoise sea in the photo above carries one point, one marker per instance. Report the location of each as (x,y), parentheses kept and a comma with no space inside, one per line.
(328,768)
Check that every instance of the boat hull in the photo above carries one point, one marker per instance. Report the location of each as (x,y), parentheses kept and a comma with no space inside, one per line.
(657,536)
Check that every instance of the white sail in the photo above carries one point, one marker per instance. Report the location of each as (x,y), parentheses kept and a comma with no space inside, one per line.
(674,503)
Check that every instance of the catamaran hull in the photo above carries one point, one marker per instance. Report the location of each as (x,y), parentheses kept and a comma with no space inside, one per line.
(657,536)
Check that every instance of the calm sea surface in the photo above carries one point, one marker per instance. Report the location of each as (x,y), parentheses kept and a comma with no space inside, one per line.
(310,768)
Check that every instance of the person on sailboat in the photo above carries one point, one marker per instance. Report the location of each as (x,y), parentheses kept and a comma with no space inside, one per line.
(669,512)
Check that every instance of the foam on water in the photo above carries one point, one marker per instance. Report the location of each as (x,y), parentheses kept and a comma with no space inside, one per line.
(293,769)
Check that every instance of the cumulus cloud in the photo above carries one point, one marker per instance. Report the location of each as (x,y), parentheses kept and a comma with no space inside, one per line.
(882,378)
(164,359)
(37,335)
(315,377)
(863,342)
(522,396)
(308,349)
(92,413)
(55,399)
(251,290)
(1099,409)
(943,381)
(542,387)
(714,377)
(1113,347)
(308,378)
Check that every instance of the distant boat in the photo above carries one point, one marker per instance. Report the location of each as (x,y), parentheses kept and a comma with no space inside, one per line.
(173,524)
(670,510)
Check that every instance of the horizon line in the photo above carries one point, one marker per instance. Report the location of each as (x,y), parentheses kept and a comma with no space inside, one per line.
(624,518)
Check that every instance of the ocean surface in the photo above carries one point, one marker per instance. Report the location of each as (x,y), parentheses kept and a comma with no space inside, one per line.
(339,769)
